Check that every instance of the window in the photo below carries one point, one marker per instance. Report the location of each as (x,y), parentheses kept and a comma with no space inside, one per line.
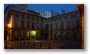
(28,17)
(16,15)
(21,8)
(47,21)
(16,24)
(32,18)
(28,24)
(61,35)
(47,26)
(62,25)
(68,17)
(42,26)
(27,33)
(77,22)
(36,19)
(22,16)
(56,26)
(33,25)
(42,19)
(37,26)
(77,15)
(56,19)
(51,27)
(44,14)
(22,24)
(68,24)
(62,18)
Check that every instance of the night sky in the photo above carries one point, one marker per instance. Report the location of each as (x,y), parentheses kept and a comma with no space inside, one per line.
(48,7)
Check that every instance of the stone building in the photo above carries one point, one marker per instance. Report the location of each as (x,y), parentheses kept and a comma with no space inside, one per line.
(30,25)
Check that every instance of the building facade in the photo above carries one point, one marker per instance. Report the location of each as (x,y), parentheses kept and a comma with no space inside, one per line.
(27,26)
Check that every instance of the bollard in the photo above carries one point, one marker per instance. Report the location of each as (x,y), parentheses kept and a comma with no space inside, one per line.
(40,44)
(49,46)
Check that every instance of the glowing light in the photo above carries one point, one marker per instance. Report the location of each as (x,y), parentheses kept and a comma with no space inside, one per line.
(33,33)
(8,25)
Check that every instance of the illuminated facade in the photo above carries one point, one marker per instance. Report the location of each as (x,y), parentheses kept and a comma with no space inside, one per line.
(26,26)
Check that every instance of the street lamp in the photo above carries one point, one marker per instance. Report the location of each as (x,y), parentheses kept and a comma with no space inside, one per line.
(9,25)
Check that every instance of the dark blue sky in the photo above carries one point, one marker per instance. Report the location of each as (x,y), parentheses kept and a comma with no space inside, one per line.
(54,7)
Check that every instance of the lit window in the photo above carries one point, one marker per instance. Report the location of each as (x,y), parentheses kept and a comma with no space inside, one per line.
(27,33)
